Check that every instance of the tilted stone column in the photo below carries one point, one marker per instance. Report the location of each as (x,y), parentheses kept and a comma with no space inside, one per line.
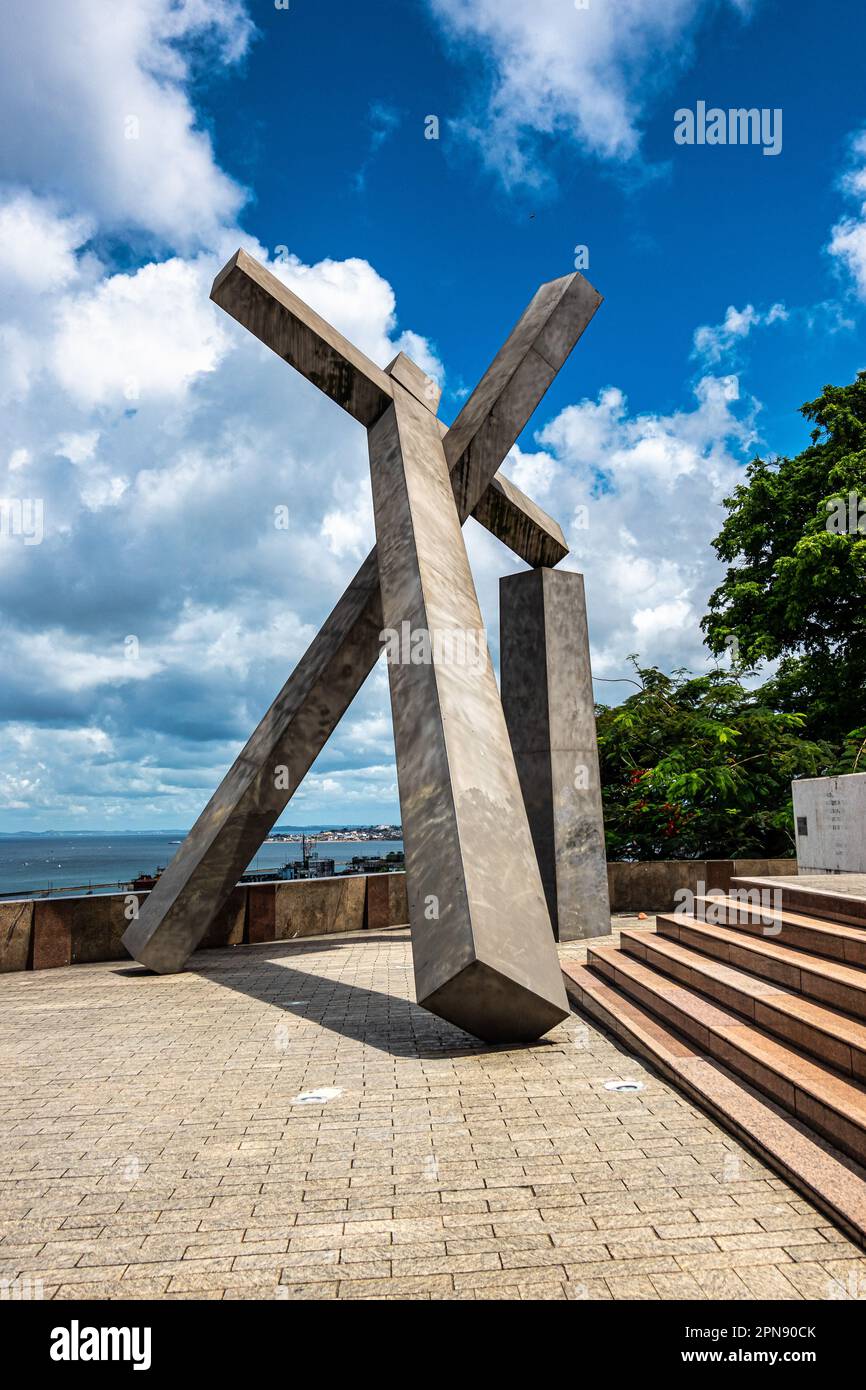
(481,939)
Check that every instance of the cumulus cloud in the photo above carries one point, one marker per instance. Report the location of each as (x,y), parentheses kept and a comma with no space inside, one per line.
(149,333)
(165,605)
(94,106)
(535,474)
(712,343)
(848,238)
(38,244)
(558,69)
(639,497)
(204,507)
(353,297)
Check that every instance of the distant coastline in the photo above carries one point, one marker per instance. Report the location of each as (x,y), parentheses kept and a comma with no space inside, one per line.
(346,834)
(279,834)
(93,862)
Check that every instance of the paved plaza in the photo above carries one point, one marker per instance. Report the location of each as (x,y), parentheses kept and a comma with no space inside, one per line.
(154,1143)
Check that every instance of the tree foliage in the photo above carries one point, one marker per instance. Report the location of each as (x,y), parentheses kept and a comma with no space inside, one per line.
(795,587)
(700,767)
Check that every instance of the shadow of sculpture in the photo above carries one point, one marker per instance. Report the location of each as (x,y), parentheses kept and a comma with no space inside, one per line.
(387,1022)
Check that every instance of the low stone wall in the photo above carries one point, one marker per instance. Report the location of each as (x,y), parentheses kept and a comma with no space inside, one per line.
(650,887)
(41,934)
(37,935)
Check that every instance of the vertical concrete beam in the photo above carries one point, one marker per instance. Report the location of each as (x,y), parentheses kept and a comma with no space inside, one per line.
(482,947)
(550,712)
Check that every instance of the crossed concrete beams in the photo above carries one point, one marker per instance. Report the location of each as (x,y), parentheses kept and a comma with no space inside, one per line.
(484,957)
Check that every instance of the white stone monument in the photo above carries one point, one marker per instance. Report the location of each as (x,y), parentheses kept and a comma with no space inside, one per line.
(830,824)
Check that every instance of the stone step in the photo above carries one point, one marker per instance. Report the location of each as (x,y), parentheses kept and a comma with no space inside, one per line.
(829,982)
(830,1104)
(814,900)
(831,1037)
(830,1179)
(834,940)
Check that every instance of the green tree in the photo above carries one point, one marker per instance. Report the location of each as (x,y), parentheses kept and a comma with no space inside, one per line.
(852,755)
(795,587)
(699,767)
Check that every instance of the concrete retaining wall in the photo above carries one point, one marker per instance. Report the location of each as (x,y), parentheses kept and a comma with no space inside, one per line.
(37,935)
(650,887)
(41,934)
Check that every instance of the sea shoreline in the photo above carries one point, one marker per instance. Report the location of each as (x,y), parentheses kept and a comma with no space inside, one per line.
(32,864)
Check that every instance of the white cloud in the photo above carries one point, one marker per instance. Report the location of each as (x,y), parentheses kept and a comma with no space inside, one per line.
(640,499)
(75,667)
(371,733)
(353,297)
(350,530)
(422,354)
(848,238)
(38,243)
(145,334)
(152,626)
(535,474)
(79,78)
(160,528)
(148,632)
(559,70)
(160,525)
(78,448)
(361,788)
(666,621)
(79,776)
(713,343)
(18,363)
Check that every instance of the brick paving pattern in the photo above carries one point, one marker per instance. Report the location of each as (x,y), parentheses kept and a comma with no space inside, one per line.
(152,1145)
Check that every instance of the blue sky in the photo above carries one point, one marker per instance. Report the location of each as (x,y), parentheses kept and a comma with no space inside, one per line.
(161,610)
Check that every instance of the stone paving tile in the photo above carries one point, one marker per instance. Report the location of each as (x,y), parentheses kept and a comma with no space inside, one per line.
(765,1281)
(721,1284)
(632,1286)
(152,1146)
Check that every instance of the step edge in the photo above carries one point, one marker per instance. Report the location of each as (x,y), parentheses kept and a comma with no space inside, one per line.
(772,950)
(778,997)
(821,925)
(836,902)
(811,1089)
(798,1171)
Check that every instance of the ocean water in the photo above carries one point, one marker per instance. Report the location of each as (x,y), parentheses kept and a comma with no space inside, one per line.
(97,862)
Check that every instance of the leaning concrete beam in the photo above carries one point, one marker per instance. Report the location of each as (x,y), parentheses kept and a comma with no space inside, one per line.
(514,518)
(482,947)
(267,772)
(549,707)
(262,779)
(253,296)
(269,309)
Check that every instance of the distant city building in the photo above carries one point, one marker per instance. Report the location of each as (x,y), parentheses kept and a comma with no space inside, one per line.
(343,834)
(313,867)
(376,864)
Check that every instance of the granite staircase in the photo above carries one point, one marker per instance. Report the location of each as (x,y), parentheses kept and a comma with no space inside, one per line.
(755,1005)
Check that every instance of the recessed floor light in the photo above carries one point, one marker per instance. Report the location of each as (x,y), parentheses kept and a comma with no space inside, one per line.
(318,1097)
(623,1085)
